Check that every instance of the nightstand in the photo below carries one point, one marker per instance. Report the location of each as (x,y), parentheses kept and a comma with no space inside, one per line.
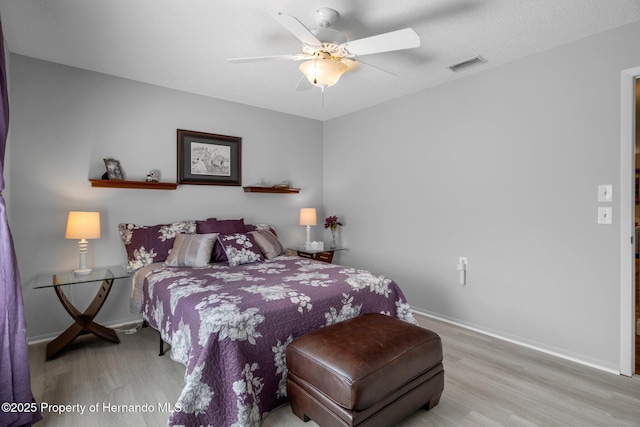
(325,255)
(83,321)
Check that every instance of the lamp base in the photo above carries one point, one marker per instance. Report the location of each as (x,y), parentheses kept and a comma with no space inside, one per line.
(82,269)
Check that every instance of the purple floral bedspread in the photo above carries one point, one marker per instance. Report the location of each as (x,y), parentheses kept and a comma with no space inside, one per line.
(230,326)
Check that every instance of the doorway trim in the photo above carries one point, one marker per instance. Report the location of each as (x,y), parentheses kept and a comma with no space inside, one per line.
(627,220)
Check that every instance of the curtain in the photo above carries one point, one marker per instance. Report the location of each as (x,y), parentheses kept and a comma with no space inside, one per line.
(15,380)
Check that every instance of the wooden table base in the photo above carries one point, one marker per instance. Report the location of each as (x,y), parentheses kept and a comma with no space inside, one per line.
(84,323)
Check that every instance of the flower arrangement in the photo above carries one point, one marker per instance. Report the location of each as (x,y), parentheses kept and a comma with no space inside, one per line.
(332,222)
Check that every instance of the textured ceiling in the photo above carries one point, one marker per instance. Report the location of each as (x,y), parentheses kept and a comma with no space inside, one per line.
(185,44)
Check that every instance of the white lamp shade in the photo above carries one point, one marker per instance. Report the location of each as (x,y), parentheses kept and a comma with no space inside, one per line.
(323,72)
(308,216)
(83,225)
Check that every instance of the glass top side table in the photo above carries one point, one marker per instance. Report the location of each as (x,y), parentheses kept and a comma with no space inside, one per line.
(84,323)
(325,255)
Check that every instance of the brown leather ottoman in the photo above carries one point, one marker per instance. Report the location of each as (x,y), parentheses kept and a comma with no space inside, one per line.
(372,370)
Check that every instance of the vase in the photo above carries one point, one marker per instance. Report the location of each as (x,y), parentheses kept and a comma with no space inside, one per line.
(332,244)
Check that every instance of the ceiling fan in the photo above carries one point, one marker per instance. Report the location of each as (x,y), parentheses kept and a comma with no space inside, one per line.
(328,54)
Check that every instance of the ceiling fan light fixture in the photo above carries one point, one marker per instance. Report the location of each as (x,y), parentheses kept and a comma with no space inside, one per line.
(323,72)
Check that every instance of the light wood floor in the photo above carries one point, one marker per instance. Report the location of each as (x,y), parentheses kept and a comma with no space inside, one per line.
(488,382)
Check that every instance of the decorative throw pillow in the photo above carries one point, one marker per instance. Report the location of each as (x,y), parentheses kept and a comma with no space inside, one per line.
(148,244)
(226,226)
(240,248)
(268,243)
(191,250)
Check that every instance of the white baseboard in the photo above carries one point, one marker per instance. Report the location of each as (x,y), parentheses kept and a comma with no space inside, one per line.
(514,341)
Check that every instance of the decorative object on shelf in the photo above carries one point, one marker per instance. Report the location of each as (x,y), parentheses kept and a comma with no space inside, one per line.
(262,187)
(209,159)
(154,175)
(308,218)
(114,170)
(83,226)
(332,222)
(283,184)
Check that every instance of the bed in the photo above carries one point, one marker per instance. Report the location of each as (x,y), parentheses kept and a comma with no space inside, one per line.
(229,323)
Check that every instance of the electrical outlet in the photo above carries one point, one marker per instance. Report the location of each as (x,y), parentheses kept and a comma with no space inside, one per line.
(462,269)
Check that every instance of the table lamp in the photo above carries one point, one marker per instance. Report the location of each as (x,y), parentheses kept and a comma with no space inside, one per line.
(308,218)
(83,226)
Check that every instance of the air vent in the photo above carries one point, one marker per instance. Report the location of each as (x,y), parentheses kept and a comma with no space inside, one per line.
(476,60)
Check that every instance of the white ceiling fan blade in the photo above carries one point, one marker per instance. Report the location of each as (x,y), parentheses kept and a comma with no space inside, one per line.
(387,42)
(374,74)
(293,57)
(303,84)
(296,28)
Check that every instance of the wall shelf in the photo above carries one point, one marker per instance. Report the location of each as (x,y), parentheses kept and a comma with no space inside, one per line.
(281,190)
(113,183)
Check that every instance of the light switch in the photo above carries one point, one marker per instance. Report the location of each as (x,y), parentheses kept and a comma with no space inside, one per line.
(605,193)
(605,215)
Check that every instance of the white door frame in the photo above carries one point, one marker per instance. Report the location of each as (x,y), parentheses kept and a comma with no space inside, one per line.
(627,220)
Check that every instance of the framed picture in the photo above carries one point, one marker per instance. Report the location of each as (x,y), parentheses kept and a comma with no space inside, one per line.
(114,171)
(209,159)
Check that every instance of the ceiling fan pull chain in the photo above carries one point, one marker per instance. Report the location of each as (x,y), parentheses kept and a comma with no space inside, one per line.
(315,73)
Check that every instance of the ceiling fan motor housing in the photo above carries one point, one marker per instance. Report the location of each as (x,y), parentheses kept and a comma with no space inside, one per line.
(325,17)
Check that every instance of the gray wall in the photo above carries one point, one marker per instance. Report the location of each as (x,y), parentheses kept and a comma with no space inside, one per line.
(501,167)
(64,121)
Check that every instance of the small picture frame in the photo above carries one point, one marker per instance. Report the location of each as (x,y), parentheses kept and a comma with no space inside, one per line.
(114,170)
(209,159)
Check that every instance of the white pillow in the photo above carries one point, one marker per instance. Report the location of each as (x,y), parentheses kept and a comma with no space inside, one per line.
(191,250)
